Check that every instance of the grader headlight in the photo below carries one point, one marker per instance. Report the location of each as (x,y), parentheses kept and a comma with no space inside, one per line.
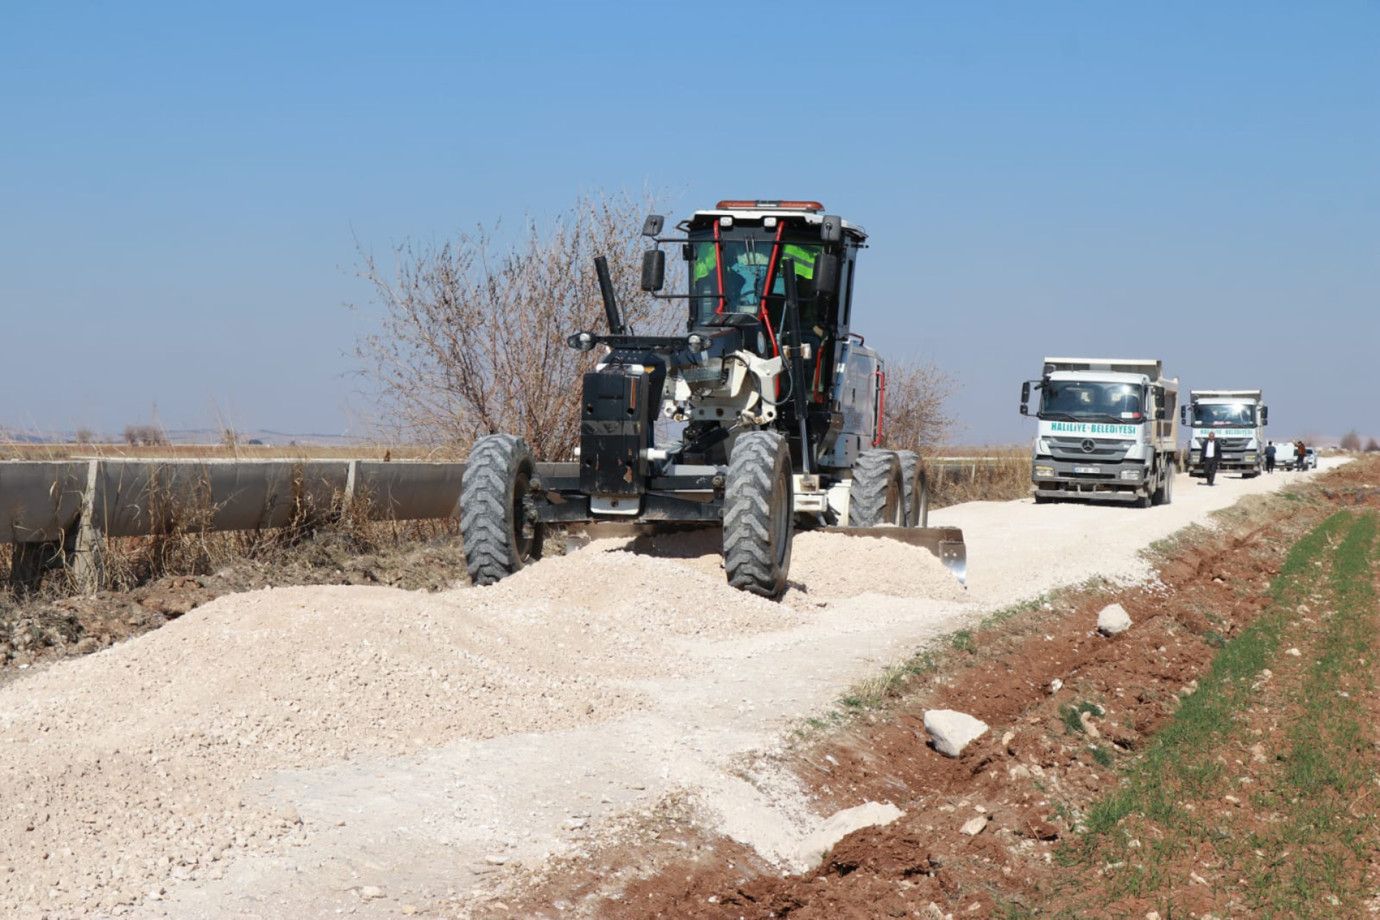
(704,376)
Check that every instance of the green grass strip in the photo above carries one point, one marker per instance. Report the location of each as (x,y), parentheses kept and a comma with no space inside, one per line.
(1181,765)
(1330,765)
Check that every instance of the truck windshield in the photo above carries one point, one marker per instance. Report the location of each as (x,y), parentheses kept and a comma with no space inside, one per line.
(1086,400)
(731,275)
(1223,415)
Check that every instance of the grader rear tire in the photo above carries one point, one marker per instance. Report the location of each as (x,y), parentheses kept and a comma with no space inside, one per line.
(877,496)
(758,518)
(916,489)
(497,523)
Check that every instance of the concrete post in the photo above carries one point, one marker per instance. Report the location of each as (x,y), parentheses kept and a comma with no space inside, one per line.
(88,568)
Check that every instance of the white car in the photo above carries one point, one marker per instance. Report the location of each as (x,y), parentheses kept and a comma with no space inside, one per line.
(1287,459)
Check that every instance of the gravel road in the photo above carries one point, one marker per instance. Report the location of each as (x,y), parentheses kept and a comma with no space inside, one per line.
(301,752)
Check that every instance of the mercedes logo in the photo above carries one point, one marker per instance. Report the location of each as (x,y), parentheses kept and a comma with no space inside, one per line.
(1088,445)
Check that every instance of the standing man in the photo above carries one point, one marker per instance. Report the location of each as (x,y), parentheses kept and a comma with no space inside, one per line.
(1212,455)
(1301,457)
(1270,457)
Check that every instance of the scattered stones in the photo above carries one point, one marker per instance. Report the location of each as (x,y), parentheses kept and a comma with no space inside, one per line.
(1293,652)
(974,826)
(952,731)
(1113,620)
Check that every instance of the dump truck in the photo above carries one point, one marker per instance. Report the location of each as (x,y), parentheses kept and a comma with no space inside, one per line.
(776,406)
(1107,431)
(1238,418)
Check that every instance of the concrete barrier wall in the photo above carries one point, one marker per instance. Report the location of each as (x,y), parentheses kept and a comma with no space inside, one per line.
(40,500)
(44,502)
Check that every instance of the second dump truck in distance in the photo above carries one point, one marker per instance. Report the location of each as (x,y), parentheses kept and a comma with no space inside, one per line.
(1237,417)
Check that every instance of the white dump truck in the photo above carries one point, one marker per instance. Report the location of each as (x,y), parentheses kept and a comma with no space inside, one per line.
(1238,418)
(1107,430)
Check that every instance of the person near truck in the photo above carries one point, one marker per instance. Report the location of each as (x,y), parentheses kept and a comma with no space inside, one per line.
(1301,457)
(1270,457)
(1212,455)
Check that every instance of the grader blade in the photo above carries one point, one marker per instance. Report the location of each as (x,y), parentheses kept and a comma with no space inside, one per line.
(945,542)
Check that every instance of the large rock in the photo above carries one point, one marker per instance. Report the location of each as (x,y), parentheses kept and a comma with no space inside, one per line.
(1113,619)
(842,823)
(952,731)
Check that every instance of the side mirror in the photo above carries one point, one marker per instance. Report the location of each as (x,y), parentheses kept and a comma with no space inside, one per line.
(1264,415)
(831,229)
(1025,392)
(1183,415)
(1025,410)
(653,224)
(653,270)
(1160,413)
(827,273)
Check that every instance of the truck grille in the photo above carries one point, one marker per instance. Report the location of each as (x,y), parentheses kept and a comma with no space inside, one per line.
(1102,451)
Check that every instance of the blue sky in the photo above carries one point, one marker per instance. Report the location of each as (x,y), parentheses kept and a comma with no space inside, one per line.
(182,186)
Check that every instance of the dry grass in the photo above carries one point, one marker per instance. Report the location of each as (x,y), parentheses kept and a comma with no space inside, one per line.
(185,543)
(16,450)
(982,474)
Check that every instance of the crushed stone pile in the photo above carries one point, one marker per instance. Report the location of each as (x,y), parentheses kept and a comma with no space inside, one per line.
(124,770)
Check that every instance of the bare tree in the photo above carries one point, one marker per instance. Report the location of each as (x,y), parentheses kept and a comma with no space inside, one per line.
(915,417)
(473,338)
(1372,445)
(145,435)
(1351,440)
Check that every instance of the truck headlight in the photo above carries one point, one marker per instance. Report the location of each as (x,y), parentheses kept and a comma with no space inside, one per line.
(1250,455)
(1044,472)
(1130,474)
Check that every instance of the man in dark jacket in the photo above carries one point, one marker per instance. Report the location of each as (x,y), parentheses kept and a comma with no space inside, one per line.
(1212,455)
(1270,457)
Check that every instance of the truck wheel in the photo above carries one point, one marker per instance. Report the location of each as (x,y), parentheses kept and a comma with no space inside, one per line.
(1165,493)
(497,522)
(877,495)
(916,488)
(758,500)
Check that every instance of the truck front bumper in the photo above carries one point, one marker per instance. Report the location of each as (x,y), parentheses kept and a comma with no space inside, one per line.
(1114,482)
(1231,460)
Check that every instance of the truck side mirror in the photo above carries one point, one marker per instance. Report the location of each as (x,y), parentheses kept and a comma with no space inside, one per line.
(653,224)
(1183,415)
(1264,415)
(831,229)
(653,270)
(827,273)
(1025,398)
(1159,413)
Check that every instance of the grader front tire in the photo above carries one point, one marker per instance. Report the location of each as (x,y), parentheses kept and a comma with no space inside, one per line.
(758,516)
(497,524)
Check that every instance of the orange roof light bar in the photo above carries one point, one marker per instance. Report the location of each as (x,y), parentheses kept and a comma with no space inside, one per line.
(788,205)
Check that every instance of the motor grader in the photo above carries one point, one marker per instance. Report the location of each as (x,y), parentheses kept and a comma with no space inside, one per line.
(776,405)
